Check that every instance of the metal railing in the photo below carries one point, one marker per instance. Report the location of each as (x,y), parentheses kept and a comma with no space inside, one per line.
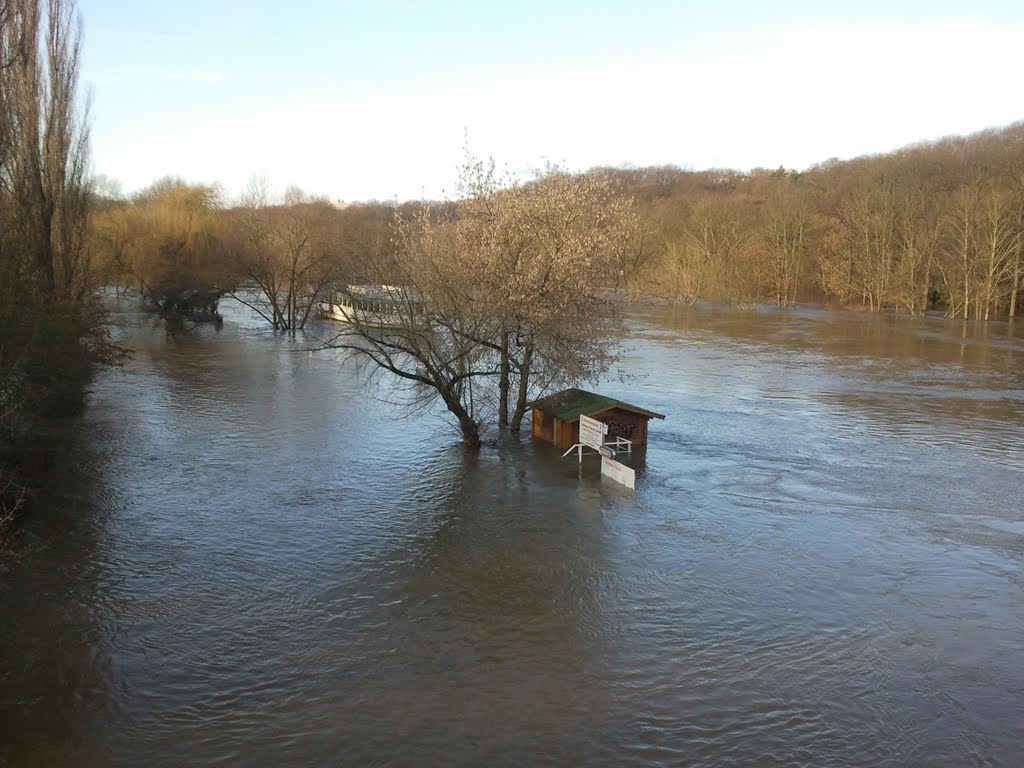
(614,445)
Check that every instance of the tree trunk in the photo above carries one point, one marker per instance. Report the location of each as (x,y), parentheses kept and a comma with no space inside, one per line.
(1015,288)
(470,433)
(504,383)
(927,285)
(467,424)
(524,388)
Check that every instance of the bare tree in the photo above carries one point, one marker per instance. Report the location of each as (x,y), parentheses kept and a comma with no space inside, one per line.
(412,319)
(999,245)
(45,142)
(540,252)
(784,234)
(492,299)
(719,238)
(286,257)
(958,248)
(50,332)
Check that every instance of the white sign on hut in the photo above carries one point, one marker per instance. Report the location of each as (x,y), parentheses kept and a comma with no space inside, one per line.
(592,432)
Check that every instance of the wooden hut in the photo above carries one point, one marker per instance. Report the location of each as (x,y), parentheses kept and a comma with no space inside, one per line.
(556,418)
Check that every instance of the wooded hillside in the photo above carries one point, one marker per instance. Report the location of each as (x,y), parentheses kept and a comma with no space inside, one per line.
(938,225)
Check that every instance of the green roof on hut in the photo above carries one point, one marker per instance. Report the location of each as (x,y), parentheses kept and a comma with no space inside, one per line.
(570,404)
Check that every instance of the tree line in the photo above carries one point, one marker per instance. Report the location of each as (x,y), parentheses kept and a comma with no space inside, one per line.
(936,226)
(182,247)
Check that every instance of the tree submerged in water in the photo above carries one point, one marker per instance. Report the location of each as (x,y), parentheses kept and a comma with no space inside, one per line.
(493,299)
(285,256)
(170,242)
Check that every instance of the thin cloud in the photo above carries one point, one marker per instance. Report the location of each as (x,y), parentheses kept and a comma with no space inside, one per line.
(193,76)
(175,75)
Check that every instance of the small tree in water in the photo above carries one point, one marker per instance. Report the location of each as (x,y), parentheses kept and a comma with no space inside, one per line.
(284,257)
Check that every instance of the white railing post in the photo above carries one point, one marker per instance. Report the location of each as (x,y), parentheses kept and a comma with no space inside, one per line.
(578,448)
(618,442)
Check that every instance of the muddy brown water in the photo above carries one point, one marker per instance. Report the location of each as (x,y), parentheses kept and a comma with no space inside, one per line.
(251,559)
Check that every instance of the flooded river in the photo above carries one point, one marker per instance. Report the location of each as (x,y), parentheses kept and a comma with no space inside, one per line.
(252,560)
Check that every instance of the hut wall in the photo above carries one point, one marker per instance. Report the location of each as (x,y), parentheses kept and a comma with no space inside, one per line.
(543,426)
(632,426)
(566,434)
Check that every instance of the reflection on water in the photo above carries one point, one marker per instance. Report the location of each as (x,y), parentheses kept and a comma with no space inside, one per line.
(252,561)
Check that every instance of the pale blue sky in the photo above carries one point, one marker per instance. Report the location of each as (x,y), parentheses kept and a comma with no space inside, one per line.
(362,100)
